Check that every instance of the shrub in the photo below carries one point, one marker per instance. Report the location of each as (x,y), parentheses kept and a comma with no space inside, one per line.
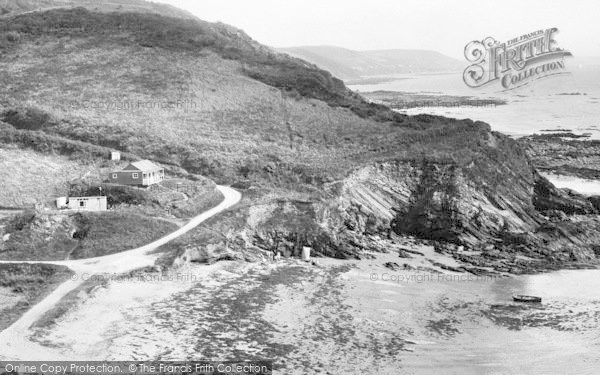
(22,220)
(27,118)
(115,194)
(200,164)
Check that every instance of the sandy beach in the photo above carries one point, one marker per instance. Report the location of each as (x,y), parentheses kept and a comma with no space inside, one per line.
(335,316)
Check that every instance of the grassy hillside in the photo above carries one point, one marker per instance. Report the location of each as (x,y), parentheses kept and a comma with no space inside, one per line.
(206,98)
(30,177)
(12,7)
(349,64)
(40,236)
(194,37)
(24,285)
(202,96)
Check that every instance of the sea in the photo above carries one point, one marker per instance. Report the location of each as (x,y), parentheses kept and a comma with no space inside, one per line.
(562,335)
(569,102)
(480,330)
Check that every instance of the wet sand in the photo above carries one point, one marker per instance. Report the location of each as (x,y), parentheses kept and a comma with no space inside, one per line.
(341,316)
(472,326)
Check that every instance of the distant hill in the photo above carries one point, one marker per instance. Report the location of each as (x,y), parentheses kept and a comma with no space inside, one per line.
(13,7)
(348,64)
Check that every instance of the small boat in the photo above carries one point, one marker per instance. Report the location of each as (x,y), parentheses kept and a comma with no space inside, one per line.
(530,299)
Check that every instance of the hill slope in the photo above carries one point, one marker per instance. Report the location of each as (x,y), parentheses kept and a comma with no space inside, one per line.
(349,64)
(14,7)
(325,166)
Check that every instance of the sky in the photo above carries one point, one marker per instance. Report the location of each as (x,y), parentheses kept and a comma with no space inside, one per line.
(443,26)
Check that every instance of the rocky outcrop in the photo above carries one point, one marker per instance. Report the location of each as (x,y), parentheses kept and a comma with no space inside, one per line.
(595,201)
(495,204)
(213,252)
(565,154)
(287,226)
(434,201)
(210,253)
(547,197)
(501,205)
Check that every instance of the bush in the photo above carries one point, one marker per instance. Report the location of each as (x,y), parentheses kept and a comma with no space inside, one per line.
(47,143)
(115,194)
(13,36)
(22,220)
(28,118)
(203,165)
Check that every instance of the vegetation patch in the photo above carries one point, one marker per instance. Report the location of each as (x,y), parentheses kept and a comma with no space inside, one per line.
(79,235)
(154,31)
(181,198)
(24,285)
(113,232)
(31,177)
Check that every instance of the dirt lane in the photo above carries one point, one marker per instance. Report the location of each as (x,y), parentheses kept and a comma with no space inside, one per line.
(15,342)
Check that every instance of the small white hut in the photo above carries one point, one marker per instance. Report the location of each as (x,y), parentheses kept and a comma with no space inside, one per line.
(97,203)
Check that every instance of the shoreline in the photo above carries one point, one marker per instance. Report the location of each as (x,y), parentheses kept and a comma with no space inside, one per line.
(403,100)
(329,316)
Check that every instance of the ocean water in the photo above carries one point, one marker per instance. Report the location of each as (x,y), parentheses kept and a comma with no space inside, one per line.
(582,185)
(561,335)
(568,102)
(534,108)
(473,326)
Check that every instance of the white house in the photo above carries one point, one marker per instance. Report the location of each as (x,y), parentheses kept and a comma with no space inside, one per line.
(97,203)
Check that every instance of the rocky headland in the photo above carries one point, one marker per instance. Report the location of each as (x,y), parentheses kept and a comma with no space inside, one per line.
(318,165)
(496,214)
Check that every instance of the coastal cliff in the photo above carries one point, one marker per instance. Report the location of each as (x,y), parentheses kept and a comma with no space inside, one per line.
(520,214)
(319,165)
(520,224)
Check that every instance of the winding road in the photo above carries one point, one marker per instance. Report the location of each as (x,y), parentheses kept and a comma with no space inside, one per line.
(15,341)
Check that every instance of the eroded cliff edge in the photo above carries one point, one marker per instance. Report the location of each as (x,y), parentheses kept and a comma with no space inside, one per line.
(319,166)
(494,213)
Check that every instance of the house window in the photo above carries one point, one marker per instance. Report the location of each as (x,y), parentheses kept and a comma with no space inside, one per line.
(81,204)
(114,175)
(134,175)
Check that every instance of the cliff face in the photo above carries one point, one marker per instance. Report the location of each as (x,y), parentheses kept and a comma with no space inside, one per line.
(521,214)
(432,201)
(278,124)
(497,208)
(444,200)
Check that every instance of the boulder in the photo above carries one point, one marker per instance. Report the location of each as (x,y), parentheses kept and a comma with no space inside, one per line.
(582,254)
(595,201)
(555,215)
(210,253)
(392,265)
(549,198)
